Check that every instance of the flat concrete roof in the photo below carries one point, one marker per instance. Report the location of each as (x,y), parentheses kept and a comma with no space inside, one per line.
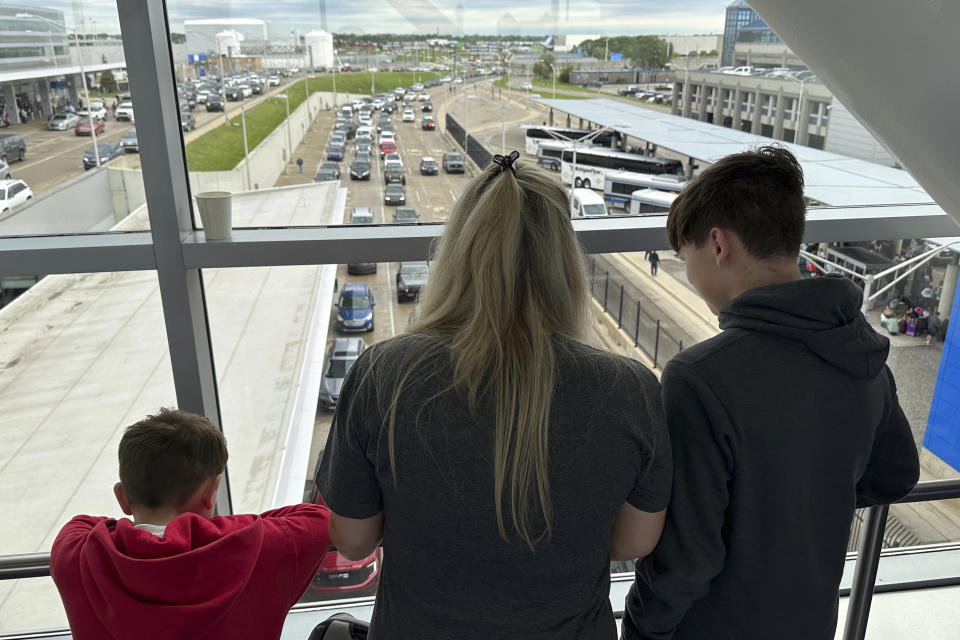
(82,356)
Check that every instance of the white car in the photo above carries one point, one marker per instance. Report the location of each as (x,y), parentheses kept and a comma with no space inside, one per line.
(408,115)
(4,170)
(417,87)
(423,97)
(273,81)
(458,80)
(124,111)
(13,193)
(526,86)
(386,136)
(97,109)
(392,157)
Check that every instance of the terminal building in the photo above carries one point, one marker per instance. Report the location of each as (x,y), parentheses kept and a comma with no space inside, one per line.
(41,63)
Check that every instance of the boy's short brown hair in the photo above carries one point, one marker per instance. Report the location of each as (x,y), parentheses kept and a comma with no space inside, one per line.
(165,458)
(756,194)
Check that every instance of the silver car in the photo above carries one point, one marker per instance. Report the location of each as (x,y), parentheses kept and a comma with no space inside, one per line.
(62,121)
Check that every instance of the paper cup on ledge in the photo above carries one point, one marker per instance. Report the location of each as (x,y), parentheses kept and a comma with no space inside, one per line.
(216,214)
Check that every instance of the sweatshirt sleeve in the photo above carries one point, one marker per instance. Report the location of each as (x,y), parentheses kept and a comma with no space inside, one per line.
(65,552)
(894,467)
(307,525)
(692,550)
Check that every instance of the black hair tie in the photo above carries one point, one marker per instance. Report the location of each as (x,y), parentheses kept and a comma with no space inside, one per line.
(506,162)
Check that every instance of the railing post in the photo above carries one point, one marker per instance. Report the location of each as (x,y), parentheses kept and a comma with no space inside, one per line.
(865,573)
(620,310)
(636,334)
(656,345)
(606,287)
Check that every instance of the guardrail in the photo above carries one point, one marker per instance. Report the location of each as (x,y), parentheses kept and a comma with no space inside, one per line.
(36,565)
(471,146)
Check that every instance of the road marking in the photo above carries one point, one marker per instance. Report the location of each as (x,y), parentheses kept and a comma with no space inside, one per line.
(393,300)
(452,196)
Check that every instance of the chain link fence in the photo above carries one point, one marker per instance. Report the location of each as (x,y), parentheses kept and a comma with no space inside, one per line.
(652,331)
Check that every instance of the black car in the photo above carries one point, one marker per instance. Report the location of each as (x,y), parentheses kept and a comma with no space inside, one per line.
(12,147)
(410,277)
(348,129)
(333,166)
(235,94)
(426,106)
(405,215)
(214,103)
(394,174)
(395,194)
(388,107)
(428,166)
(108,151)
(360,170)
(453,162)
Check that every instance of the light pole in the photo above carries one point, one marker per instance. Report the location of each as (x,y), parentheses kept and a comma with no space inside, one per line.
(335,65)
(554,69)
(246,150)
(286,97)
(83,79)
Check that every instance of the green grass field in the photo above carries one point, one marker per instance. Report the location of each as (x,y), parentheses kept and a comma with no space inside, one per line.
(222,148)
(545,83)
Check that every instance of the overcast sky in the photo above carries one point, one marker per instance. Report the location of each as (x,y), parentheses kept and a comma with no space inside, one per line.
(606,17)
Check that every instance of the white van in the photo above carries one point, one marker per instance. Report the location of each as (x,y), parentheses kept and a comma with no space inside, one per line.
(587,203)
(651,202)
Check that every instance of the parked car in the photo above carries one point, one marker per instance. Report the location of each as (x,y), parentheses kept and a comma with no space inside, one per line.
(360,170)
(395,194)
(108,151)
(5,171)
(214,102)
(394,174)
(97,109)
(428,166)
(361,215)
(12,147)
(333,166)
(408,115)
(343,354)
(428,123)
(187,121)
(13,193)
(453,162)
(335,152)
(62,121)
(129,141)
(410,277)
(124,111)
(405,215)
(355,308)
(83,127)
(338,577)
(326,175)
(387,146)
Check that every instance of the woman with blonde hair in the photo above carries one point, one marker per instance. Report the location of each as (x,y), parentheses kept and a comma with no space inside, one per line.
(502,461)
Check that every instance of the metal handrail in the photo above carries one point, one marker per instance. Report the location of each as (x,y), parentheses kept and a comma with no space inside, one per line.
(37,565)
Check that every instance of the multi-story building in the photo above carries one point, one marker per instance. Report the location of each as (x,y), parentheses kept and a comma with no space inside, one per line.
(40,61)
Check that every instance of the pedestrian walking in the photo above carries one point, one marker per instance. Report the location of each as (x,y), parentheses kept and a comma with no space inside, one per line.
(299,165)
(654,263)
(933,326)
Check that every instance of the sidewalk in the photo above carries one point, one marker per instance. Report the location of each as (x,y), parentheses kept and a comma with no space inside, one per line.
(312,149)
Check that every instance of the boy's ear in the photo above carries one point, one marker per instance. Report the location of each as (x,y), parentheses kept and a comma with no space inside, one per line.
(208,495)
(122,499)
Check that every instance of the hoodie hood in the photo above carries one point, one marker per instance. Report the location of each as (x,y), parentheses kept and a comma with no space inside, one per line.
(130,571)
(822,313)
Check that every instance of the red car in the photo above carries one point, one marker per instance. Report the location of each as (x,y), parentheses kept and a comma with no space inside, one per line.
(338,577)
(387,146)
(83,127)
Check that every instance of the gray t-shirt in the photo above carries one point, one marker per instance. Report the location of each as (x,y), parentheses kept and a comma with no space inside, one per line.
(447,573)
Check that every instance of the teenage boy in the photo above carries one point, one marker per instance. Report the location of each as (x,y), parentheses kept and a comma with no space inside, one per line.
(781,425)
(176,571)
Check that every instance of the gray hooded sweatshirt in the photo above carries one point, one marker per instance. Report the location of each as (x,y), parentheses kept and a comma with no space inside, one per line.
(781,425)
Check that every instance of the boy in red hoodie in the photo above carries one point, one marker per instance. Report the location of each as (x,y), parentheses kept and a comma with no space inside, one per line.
(176,571)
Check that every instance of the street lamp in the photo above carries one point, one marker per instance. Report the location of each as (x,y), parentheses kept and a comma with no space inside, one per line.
(799,111)
(286,97)
(554,69)
(246,150)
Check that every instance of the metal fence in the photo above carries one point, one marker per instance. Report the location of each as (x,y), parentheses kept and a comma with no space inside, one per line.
(471,146)
(652,331)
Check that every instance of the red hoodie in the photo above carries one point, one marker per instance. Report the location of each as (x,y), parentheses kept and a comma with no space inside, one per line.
(228,577)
